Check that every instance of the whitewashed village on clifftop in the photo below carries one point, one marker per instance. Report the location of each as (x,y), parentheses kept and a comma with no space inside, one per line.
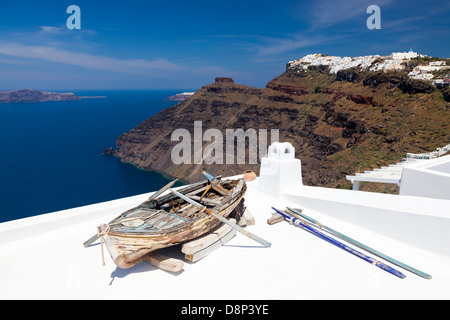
(425,68)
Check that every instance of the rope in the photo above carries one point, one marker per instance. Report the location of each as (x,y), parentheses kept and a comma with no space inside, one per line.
(102,230)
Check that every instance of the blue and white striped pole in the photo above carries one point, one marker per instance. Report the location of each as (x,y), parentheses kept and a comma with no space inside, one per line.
(361,246)
(323,236)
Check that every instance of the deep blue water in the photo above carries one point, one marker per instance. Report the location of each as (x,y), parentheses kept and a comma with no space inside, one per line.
(51,153)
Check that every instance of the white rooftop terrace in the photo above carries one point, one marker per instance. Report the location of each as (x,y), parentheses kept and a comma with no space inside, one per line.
(43,256)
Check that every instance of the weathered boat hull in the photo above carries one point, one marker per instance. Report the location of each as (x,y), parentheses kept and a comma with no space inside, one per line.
(128,249)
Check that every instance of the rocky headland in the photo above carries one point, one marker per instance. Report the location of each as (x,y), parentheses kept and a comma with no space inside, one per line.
(180,96)
(341,122)
(32,96)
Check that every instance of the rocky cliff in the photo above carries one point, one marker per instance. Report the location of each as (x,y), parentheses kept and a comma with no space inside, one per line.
(339,123)
(180,96)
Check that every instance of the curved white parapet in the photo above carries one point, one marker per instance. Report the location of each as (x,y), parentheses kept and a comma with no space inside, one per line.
(419,221)
(419,216)
(430,179)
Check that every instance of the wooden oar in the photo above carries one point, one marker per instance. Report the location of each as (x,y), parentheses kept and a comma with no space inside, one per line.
(305,225)
(222,219)
(162,190)
(360,245)
(151,198)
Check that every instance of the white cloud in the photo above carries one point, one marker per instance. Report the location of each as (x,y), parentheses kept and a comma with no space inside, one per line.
(53,30)
(274,46)
(327,13)
(53,50)
(47,53)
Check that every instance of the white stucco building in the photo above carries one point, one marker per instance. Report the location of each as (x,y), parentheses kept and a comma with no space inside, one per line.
(404,55)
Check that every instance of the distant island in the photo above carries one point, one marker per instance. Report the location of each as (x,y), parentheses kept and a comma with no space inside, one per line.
(33,96)
(180,96)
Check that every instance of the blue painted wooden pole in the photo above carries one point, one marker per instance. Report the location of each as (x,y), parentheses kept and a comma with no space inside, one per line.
(362,246)
(323,236)
(215,183)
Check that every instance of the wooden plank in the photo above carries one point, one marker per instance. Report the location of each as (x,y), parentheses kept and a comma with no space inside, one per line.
(216,245)
(188,212)
(162,190)
(215,184)
(238,187)
(188,189)
(205,241)
(247,218)
(246,233)
(165,263)
(197,191)
(206,200)
(275,218)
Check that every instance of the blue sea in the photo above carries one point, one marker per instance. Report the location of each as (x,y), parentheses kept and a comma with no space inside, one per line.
(51,153)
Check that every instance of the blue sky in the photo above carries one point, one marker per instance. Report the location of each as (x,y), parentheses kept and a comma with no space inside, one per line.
(185,44)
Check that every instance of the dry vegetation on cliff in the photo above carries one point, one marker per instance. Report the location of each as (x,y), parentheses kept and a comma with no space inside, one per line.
(338,123)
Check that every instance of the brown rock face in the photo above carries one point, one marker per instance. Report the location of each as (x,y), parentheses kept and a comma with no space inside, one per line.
(224,79)
(339,124)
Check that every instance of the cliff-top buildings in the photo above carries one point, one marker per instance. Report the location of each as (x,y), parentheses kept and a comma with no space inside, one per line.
(395,61)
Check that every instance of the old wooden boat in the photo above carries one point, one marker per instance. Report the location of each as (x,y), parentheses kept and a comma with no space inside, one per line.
(169,220)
